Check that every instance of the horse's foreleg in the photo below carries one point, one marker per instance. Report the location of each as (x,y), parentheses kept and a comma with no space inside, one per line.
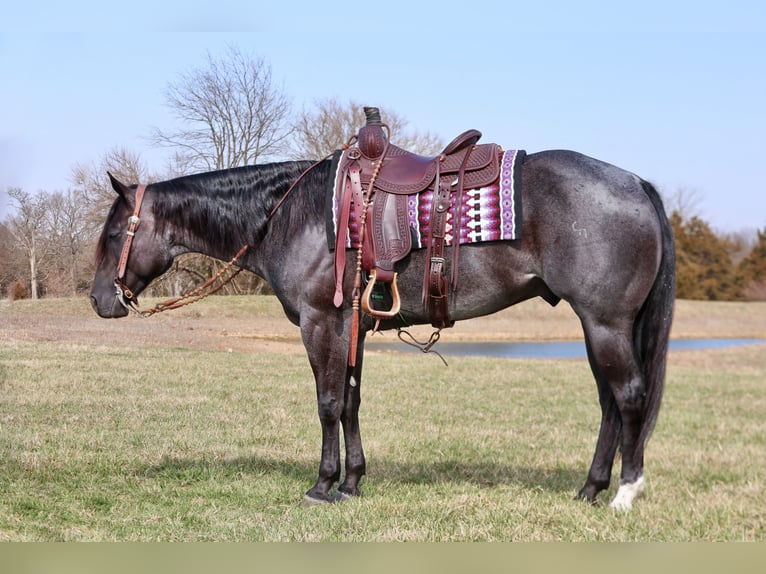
(337,402)
(329,465)
(355,463)
(328,363)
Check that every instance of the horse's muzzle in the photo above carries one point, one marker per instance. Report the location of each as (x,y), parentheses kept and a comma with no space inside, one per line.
(107,307)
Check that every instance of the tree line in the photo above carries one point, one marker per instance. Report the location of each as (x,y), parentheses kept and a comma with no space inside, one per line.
(718,267)
(230,114)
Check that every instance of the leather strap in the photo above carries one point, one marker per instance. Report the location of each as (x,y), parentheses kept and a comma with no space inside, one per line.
(435,288)
(133,223)
(352,187)
(438,303)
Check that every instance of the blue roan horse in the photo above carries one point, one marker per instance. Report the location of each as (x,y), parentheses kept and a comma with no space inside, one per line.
(593,235)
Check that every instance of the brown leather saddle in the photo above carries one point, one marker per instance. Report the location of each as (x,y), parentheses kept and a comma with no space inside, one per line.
(375,180)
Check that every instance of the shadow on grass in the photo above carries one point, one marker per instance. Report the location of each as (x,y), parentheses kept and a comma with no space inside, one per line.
(222,468)
(482,473)
(486,474)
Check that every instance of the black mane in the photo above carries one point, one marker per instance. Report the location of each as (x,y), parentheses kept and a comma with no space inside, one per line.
(230,207)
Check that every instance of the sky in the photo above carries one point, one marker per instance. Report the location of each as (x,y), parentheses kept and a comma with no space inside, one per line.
(672,91)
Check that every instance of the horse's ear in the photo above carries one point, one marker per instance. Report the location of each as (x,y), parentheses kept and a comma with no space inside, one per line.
(119,187)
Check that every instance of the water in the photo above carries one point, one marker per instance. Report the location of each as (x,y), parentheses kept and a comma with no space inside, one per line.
(547,349)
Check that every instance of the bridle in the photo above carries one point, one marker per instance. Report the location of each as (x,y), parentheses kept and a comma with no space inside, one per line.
(123,293)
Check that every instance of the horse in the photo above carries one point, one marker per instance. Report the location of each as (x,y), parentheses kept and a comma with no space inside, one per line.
(594,235)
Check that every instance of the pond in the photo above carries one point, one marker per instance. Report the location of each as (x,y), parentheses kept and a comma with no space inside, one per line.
(545,349)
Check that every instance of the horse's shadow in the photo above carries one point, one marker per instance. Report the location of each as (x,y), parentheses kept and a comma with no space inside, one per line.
(483,474)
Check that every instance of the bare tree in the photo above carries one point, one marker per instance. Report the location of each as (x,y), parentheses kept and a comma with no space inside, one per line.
(231,114)
(27,228)
(329,124)
(92,181)
(68,233)
(742,242)
(684,200)
(49,232)
(12,267)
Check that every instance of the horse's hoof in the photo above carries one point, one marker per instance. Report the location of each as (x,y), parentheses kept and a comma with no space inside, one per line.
(341,496)
(582,497)
(309,500)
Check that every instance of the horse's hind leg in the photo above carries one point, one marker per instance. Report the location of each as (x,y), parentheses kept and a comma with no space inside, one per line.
(622,392)
(600,473)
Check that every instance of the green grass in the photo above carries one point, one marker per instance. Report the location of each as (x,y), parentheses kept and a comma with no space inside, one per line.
(146,443)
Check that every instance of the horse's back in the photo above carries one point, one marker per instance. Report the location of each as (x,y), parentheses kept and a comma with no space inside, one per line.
(577,177)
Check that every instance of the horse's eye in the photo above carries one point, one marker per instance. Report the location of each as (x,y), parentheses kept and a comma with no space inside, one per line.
(114,233)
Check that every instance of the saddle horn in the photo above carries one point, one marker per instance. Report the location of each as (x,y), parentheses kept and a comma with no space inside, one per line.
(372,116)
(372,136)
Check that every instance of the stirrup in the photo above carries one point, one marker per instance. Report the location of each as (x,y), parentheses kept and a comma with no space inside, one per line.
(367,295)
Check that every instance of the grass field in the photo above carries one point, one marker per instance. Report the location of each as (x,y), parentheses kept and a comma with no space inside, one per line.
(173,439)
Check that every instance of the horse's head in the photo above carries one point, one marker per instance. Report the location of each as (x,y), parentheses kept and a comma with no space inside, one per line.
(130,252)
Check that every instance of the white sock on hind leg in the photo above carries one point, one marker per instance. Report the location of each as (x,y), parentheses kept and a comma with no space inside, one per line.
(627,492)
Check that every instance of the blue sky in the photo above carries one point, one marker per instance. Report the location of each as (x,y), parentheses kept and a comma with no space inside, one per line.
(674,92)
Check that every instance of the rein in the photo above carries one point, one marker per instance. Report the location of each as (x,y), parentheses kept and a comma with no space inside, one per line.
(128,299)
(199,293)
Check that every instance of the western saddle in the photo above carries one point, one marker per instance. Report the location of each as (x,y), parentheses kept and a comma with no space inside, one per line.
(375,179)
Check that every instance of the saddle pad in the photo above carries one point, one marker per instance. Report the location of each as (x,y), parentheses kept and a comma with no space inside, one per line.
(491,213)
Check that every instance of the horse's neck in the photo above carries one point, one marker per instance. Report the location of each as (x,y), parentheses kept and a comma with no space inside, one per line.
(194,243)
(220,229)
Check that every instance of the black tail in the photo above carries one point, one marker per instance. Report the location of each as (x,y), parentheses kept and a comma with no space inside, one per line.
(652,327)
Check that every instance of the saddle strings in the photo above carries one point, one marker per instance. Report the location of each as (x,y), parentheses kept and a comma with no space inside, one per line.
(425,347)
(422,346)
